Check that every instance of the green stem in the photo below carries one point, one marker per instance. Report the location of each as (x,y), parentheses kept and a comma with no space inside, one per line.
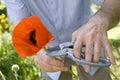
(16,75)
(73,74)
(3,77)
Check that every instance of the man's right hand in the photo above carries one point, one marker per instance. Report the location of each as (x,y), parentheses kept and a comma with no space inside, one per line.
(49,64)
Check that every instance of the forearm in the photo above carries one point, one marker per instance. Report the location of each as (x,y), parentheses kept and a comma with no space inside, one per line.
(109,13)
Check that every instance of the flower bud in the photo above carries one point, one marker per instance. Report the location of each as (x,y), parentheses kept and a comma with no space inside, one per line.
(15,67)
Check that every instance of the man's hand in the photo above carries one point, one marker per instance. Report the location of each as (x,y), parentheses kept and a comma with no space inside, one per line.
(49,64)
(94,36)
(94,33)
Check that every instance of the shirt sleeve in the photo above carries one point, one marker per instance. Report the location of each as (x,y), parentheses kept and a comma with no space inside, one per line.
(98,2)
(16,10)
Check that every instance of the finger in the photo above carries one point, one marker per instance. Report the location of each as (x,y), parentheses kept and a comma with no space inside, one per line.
(77,48)
(88,55)
(73,39)
(49,60)
(54,62)
(51,68)
(74,36)
(97,50)
(45,63)
(109,51)
(48,67)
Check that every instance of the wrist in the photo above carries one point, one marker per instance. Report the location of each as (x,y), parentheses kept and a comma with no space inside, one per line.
(101,22)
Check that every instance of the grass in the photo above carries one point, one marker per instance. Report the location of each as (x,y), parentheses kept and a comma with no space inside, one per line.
(114,34)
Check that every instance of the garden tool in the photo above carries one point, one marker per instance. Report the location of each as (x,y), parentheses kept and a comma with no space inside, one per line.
(66,50)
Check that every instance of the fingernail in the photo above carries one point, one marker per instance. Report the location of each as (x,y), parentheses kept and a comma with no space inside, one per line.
(87,68)
(114,63)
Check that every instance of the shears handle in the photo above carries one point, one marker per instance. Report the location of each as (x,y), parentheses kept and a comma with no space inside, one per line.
(103,62)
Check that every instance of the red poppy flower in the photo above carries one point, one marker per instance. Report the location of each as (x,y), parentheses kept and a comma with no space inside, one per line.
(30,35)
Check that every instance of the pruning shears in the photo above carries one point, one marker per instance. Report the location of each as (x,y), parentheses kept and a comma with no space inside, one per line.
(66,50)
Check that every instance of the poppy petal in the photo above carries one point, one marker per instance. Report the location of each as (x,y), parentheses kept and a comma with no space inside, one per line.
(30,35)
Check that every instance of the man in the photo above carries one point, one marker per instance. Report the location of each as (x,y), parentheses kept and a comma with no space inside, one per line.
(71,20)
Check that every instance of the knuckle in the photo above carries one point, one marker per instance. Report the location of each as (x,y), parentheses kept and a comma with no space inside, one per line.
(91,35)
(73,34)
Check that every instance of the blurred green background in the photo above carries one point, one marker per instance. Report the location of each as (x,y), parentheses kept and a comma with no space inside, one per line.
(8,57)
(27,67)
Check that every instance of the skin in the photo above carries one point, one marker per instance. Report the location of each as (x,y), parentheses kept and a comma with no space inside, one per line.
(95,33)
(95,37)
(49,64)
